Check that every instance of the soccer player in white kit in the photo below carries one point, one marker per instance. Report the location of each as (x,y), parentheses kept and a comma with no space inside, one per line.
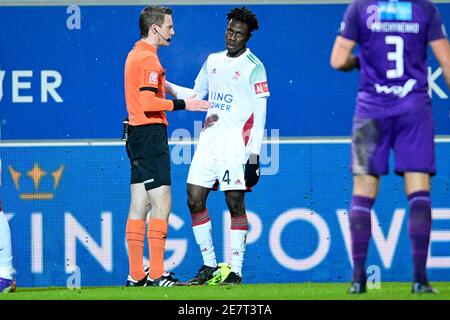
(227,153)
(7,282)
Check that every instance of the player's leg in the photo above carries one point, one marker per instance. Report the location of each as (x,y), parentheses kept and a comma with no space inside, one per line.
(202,178)
(148,152)
(415,159)
(156,168)
(238,233)
(139,206)
(135,234)
(370,152)
(7,282)
(201,222)
(365,189)
(417,186)
(233,184)
(161,202)
(202,229)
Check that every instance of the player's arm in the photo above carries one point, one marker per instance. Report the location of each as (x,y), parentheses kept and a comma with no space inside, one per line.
(149,75)
(151,103)
(190,97)
(441,49)
(252,171)
(341,55)
(179,92)
(260,93)
(170,89)
(259,123)
(438,40)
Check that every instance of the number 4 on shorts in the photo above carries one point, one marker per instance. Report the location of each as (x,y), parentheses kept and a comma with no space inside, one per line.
(226,177)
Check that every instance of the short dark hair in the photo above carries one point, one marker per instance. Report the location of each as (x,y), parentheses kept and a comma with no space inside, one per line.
(244,15)
(152,15)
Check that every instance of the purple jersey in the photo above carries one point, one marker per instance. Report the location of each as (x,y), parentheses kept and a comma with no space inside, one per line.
(393,37)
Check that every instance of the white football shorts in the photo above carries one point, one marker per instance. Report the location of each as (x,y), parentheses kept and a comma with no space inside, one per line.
(206,172)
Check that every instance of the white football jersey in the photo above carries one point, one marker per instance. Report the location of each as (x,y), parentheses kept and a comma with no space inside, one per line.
(234,86)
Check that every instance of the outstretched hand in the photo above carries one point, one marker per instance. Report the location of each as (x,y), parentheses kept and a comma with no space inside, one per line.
(197,105)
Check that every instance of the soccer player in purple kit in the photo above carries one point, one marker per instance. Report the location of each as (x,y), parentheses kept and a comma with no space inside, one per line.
(393,110)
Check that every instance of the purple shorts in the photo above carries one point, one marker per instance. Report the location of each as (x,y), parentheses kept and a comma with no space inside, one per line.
(410,135)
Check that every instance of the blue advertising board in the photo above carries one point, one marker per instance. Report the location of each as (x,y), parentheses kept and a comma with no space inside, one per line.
(62,78)
(67,206)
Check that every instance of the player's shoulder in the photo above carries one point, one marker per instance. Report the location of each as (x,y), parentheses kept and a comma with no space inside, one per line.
(427,5)
(425,2)
(253,59)
(139,56)
(253,64)
(362,3)
(148,60)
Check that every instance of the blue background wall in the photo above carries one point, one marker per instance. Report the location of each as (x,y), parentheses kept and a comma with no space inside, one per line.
(308,98)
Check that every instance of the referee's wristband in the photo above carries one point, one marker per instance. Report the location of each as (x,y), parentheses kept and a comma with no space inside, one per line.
(178,104)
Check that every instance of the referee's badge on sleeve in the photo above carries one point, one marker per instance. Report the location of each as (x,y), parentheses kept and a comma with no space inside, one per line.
(261,87)
(151,77)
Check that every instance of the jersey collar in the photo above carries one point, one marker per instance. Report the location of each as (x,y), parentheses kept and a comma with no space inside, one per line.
(145,46)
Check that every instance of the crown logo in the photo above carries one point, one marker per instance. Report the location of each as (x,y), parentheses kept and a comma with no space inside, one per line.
(36,174)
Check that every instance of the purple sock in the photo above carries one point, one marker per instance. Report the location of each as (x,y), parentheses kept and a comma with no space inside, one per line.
(419,228)
(360,229)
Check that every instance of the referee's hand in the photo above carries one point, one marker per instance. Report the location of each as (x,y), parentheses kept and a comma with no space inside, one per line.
(197,105)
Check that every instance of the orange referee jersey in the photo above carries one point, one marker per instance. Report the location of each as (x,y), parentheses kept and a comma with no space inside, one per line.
(145,86)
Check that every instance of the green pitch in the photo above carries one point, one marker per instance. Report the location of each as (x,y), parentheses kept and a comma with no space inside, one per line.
(287,291)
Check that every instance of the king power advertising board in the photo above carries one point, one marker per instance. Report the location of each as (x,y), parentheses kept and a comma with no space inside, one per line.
(68,206)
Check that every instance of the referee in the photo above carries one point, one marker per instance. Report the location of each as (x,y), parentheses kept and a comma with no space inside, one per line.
(147,147)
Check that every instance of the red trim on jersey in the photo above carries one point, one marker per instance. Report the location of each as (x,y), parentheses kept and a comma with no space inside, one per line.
(247,129)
